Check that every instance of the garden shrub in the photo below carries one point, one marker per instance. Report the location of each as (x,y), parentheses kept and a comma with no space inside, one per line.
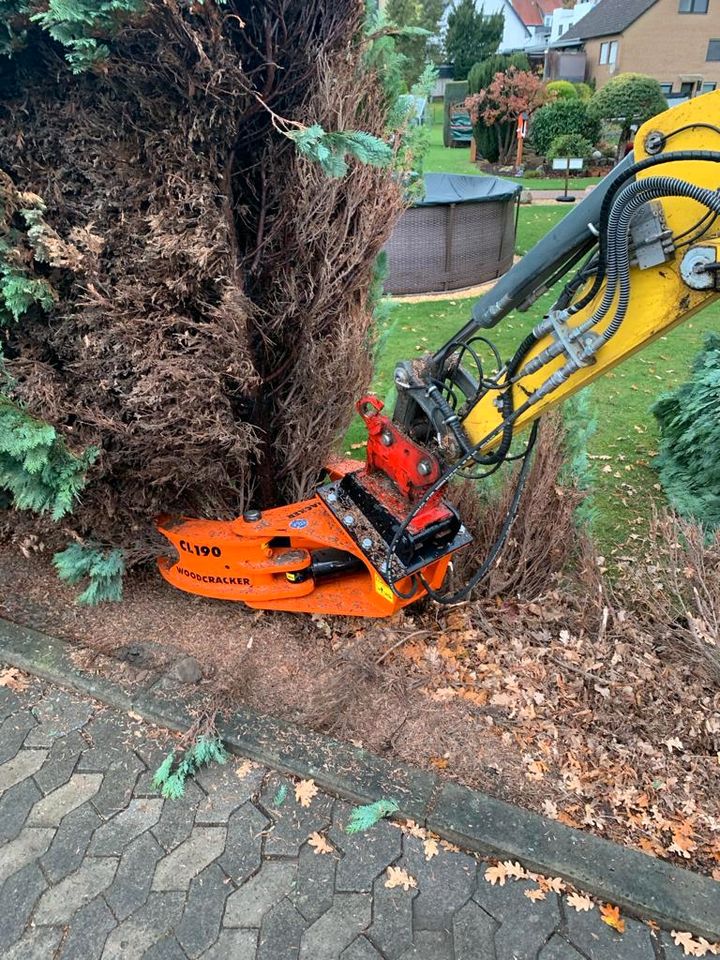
(688,460)
(560,118)
(628,99)
(562,89)
(584,91)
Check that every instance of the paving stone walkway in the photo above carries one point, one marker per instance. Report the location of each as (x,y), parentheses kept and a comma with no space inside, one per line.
(93,864)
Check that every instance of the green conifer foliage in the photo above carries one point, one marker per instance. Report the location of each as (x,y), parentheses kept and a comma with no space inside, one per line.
(103,569)
(688,460)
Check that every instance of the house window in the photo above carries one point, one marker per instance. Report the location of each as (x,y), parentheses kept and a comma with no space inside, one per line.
(708,87)
(666,89)
(561,29)
(713,50)
(687,89)
(693,6)
(608,53)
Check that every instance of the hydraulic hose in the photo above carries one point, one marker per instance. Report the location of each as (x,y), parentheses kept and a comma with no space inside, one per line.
(712,156)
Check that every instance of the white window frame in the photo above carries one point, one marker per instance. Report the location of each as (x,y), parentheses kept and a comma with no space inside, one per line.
(608,53)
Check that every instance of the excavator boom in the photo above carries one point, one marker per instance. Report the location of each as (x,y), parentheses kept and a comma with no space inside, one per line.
(640,255)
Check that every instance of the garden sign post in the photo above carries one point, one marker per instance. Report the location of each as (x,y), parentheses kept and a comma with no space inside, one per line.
(567,164)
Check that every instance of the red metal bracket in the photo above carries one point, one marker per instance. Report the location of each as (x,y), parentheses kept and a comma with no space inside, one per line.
(411,468)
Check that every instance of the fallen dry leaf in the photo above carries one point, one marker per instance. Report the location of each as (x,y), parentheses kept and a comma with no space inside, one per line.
(431,848)
(611,916)
(515,870)
(243,769)
(397,877)
(496,874)
(320,844)
(691,947)
(305,791)
(535,894)
(14,679)
(554,884)
(450,847)
(440,763)
(580,902)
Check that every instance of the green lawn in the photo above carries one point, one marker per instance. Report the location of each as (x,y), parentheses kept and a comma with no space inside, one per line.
(625,485)
(440,159)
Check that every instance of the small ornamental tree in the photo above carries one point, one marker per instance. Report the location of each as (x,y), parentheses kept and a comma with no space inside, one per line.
(570,145)
(629,99)
(472,35)
(509,96)
(480,78)
(560,119)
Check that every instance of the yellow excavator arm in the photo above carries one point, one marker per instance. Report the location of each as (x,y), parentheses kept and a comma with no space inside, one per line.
(642,255)
(674,243)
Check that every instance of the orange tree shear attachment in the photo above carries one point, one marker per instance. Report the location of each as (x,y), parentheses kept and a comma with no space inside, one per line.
(328,554)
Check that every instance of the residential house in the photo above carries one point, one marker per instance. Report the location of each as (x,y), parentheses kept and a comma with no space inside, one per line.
(527,23)
(675,41)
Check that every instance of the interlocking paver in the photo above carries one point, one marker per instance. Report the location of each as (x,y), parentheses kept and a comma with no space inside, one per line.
(114,835)
(146,927)
(365,855)
(392,925)
(430,945)
(18,897)
(71,840)
(38,943)
(177,818)
(315,883)
(108,742)
(360,949)
(519,941)
(177,869)
(243,849)
(473,933)
(326,939)
(129,890)
(291,823)
(226,791)
(118,785)
(15,805)
(234,945)
(199,926)
(49,811)
(599,941)
(61,762)
(557,948)
(29,844)
(248,905)
(24,764)
(445,883)
(57,714)
(58,904)
(13,732)
(88,932)
(280,933)
(167,949)
(225,874)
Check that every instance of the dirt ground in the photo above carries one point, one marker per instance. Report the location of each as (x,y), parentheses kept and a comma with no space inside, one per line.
(592,725)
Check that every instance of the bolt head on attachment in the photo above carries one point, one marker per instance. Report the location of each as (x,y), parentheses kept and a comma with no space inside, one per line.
(252,516)
(386,438)
(366,543)
(348,520)
(424,468)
